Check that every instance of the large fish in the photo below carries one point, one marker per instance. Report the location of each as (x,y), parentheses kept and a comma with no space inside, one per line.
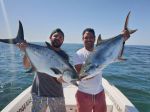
(45,60)
(106,52)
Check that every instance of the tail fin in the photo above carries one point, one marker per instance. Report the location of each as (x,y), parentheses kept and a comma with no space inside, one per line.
(126,24)
(19,38)
(130,31)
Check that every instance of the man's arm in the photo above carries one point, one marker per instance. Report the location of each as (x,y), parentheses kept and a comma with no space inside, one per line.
(26,62)
(125,34)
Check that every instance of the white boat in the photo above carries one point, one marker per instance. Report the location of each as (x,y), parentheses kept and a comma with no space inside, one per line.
(116,101)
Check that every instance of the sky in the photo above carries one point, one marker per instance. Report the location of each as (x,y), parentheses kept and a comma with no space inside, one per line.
(106,17)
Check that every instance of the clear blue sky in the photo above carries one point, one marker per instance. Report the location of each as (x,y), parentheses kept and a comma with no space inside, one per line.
(40,17)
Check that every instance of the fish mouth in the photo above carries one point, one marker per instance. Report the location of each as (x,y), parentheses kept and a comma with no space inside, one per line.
(83,76)
(86,77)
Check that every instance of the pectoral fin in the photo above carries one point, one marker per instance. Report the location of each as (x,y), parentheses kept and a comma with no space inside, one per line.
(56,71)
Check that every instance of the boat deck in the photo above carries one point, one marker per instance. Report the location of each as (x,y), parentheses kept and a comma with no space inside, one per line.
(70,100)
(115,100)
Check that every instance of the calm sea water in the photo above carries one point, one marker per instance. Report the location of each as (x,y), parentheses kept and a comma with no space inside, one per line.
(131,77)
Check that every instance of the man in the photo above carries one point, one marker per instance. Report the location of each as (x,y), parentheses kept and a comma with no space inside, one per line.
(47,91)
(90,95)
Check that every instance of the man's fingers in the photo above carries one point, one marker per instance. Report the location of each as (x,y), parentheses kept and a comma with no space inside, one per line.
(22,45)
(18,44)
(126,34)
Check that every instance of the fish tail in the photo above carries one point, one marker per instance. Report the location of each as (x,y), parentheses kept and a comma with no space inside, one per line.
(126,24)
(19,38)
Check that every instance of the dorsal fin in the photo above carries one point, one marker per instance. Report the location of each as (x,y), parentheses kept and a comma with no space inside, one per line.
(99,39)
(48,45)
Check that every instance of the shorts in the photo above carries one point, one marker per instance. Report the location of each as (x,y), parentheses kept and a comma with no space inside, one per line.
(55,104)
(91,103)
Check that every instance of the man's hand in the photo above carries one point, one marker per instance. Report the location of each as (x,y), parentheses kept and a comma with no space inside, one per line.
(126,34)
(22,45)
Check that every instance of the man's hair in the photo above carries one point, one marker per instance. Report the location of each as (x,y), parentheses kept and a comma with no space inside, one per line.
(57,30)
(89,30)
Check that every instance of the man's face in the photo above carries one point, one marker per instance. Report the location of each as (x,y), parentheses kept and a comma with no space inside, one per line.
(57,39)
(88,40)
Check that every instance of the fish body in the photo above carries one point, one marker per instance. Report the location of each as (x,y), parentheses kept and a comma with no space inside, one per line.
(48,61)
(106,52)
(45,59)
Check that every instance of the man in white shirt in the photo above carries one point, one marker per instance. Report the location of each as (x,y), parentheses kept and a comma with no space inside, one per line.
(90,95)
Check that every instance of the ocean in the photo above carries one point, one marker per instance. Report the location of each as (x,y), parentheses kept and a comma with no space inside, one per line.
(131,77)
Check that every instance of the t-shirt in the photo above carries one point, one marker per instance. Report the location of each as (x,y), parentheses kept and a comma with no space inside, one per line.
(47,86)
(90,86)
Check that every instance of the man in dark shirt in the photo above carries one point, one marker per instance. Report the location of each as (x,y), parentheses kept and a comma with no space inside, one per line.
(47,91)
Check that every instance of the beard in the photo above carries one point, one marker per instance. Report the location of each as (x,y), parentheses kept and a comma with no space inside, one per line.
(56,43)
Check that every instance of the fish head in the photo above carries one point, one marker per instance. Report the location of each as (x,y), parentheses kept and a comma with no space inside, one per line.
(88,71)
(69,75)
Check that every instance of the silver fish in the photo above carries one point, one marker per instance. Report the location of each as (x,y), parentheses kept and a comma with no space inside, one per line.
(45,59)
(106,52)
